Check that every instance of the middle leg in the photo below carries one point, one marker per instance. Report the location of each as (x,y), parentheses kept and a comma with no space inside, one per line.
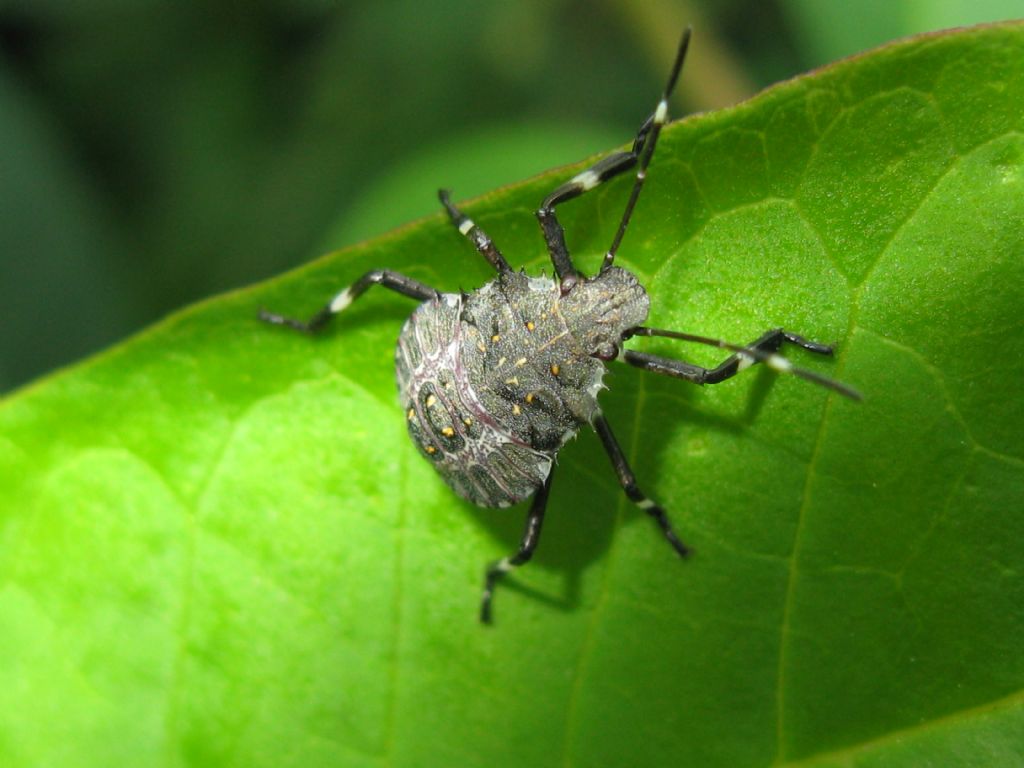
(468,228)
(531,537)
(395,281)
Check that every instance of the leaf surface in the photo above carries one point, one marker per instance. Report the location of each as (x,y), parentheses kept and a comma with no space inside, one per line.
(218,547)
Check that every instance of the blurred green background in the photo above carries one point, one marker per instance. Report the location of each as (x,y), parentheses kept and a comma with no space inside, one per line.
(152,154)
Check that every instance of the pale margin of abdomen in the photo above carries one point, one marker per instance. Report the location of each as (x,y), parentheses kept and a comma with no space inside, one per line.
(475,455)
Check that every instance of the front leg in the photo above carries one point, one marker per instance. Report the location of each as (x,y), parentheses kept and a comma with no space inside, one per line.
(762,350)
(628,482)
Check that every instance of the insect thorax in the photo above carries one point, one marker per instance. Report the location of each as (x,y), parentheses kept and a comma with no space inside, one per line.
(493,383)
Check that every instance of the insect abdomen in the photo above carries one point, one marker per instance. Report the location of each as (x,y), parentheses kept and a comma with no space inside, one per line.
(470,447)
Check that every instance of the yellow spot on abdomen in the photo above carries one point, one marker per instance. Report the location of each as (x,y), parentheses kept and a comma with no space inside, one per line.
(448,432)
(555,369)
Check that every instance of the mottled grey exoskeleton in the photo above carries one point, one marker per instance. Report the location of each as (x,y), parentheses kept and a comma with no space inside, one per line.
(493,383)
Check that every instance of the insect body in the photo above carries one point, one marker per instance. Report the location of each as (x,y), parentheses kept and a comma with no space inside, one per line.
(493,383)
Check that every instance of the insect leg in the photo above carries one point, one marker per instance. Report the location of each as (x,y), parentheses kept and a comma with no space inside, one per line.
(604,169)
(628,481)
(658,119)
(385,277)
(531,535)
(763,350)
(467,227)
(601,171)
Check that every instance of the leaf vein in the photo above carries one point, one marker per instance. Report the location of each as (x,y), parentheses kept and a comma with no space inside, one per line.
(899,735)
(792,574)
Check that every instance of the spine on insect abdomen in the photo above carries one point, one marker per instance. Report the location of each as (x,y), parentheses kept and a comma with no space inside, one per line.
(468,444)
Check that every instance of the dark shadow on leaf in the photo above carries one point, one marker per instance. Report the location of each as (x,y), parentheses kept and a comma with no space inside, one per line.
(586,497)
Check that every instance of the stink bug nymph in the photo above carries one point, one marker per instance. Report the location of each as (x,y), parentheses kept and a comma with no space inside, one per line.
(493,383)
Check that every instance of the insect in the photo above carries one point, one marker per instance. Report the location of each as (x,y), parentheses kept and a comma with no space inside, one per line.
(493,383)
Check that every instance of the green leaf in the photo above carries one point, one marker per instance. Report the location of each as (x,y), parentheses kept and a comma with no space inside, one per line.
(218,547)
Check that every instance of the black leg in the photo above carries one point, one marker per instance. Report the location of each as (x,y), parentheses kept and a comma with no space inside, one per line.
(657,120)
(763,350)
(531,535)
(628,481)
(601,171)
(393,280)
(467,227)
